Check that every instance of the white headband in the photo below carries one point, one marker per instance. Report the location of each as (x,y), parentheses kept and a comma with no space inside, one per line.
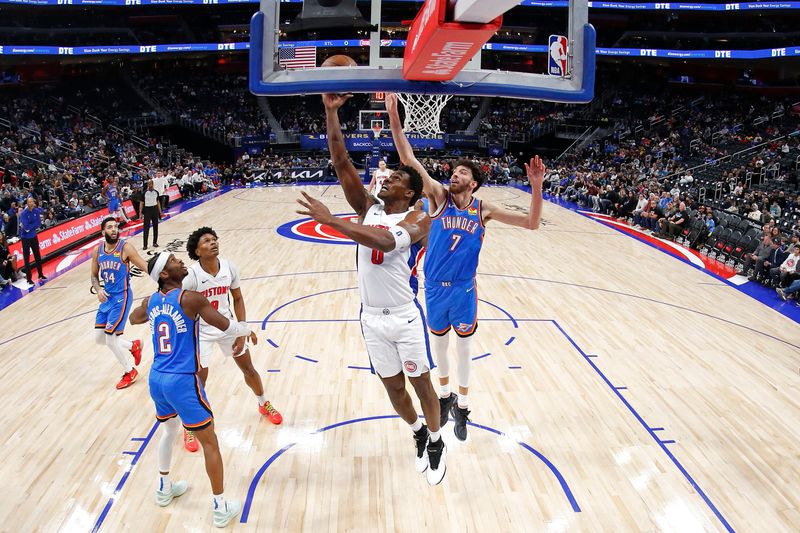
(161,262)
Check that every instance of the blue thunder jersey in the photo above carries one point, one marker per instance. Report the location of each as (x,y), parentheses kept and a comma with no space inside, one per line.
(175,335)
(454,242)
(113,270)
(111,192)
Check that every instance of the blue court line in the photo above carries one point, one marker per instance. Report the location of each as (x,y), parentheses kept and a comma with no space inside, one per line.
(307,359)
(273,370)
(130,453)
(667,442)
(264,322)
(514,367)
(644,424)
(509,341)
(646,299)
(272,343)
(511,318)
(138,438)
(591,356)
(261,471)
(359,367)
(481,356)
(656,429)
(620,388)
(115,496)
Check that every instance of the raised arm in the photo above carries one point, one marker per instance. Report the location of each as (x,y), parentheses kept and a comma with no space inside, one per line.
(129,253)
(354,191)
(416,223)
(535,171)
(434,190)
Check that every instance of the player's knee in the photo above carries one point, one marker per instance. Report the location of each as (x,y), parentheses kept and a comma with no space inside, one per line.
(110,340)
(100,336)
(423,386)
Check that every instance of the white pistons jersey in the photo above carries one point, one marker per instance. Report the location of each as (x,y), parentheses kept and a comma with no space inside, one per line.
(215,288)
(380,177)
(387,279)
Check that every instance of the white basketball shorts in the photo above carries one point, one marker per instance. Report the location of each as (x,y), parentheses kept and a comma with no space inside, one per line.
(217,338)
(397,340)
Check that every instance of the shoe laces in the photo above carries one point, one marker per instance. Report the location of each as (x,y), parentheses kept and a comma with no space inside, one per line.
(269,409)
(189,436)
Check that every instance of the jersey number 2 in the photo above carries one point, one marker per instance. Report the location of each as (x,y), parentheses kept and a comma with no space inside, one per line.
(164,344)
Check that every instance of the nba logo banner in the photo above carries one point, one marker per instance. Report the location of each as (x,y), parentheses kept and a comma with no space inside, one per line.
(557,56)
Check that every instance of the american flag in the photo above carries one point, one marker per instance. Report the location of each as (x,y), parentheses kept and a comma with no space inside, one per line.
(298,57)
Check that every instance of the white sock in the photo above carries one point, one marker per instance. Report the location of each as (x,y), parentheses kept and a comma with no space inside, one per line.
(164,483)
(463,401)
(170,430)
(127,345)
(416,426)
(121,355)
(434,436)
(219,502)
(463,351)
(444,391)
(262,399)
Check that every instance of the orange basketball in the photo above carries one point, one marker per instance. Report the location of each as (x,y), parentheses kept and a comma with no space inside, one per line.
(339,60)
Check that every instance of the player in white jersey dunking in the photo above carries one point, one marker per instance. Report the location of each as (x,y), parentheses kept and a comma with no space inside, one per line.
(451,263)
(378,177)
(389,236)
(217,279)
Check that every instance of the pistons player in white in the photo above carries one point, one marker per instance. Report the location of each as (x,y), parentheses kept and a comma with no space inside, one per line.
(217,279)
(378,177)
(389,237)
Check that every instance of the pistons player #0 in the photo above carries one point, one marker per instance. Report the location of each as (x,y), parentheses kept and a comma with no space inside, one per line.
(451,262)
(217,279)
(174,316)
(389,234)
(110,262)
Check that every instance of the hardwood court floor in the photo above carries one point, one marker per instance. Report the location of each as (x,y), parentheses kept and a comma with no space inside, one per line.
(648,396)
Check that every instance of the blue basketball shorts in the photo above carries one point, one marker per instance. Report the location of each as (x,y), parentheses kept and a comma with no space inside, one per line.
(452,304)
(113,313)
(113,206)
(180,395)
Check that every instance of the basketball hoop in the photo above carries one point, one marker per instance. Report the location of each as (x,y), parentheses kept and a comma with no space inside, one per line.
(423,112)
(377,127)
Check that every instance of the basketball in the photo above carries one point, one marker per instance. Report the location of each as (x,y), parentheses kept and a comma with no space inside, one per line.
(339,60)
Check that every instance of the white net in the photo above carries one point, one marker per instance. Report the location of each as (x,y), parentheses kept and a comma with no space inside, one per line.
(423,112)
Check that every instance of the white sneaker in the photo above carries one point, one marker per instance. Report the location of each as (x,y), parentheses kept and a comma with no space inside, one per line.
(165,498)
(437,453)
(223,517)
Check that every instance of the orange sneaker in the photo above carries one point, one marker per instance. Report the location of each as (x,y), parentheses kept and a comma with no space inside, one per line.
(136,351)
(127,379)
(190,442)
(271,413)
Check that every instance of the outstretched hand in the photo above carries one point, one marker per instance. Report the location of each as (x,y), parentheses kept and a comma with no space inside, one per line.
(315,209)
(391,102)
(334,101)
(535,171)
